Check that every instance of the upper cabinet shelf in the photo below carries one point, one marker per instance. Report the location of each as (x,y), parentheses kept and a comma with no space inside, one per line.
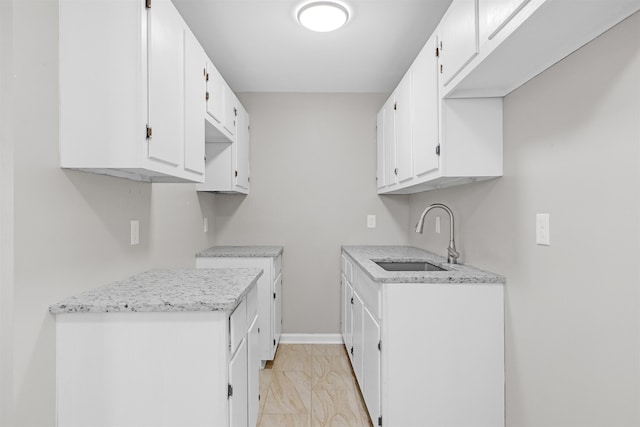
(442,125)
(138,94)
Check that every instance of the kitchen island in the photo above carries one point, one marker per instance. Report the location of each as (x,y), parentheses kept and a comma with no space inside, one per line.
(164,347)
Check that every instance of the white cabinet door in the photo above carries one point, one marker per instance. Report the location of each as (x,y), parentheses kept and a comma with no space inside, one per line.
(371,365)
(343,308)
(195,61)
(166,89)
(402,110)
(253,385)
(358,342)
(215,93)
(380,148)
(348,301)
(230,110)
(498,13)
(238,381)
(458,35)
(242,149)
(276,326)
(389,139)
(425,121)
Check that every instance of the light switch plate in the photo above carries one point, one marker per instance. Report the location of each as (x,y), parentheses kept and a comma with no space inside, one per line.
(135,232)
(371,221)
(543,234)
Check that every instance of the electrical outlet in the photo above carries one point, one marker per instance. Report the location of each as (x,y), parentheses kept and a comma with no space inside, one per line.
(135,232)
(371,221)
(438,224)
(543,234)
(206,224)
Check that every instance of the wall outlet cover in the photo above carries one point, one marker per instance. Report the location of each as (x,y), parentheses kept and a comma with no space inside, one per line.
(543,234)
(371,221)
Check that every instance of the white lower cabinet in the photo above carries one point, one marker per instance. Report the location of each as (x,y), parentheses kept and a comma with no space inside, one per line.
(269,295)
(427,355)
(173,369)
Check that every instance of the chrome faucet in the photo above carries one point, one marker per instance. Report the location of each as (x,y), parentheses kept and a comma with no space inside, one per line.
(452,254)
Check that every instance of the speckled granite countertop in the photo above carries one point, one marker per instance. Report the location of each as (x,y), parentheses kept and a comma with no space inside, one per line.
(365,256)
(167,290)
(242,251)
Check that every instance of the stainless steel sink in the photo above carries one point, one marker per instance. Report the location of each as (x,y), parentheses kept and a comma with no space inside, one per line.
(408,266)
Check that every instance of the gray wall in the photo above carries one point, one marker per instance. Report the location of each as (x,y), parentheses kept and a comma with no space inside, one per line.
(572,139)
(6,216)
(312,186)
(72,228)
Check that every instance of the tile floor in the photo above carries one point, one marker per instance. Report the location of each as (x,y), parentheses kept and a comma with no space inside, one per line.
(310,385)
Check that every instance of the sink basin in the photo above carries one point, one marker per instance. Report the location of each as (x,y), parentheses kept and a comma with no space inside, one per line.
(409,266)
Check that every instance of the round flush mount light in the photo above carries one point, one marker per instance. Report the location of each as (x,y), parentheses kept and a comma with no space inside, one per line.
(323,16)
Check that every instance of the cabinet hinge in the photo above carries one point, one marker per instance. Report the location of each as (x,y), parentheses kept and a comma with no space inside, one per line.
(206,76)
(351,300)
(206,96)
(380,420)
(236,174)
(440,68)
(438,149)
(380,345)
(437,52)
(229,391)
(149,132)
(395,171)
(147,4)
(274,342)
(258,330)
(395,106)
(274,295)
(352,351)
(235,111)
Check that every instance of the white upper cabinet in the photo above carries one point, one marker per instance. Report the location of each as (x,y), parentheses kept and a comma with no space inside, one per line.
(458,34)
(518,39)
(403,137)
(227,160)
(450,142)
(242,149)
(122,90)
(194,103)
(388,142)
(215,93)
(230,110)
(426,115)
(166,44)
(380,149)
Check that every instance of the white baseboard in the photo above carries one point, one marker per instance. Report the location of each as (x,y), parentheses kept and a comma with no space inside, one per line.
(311,339)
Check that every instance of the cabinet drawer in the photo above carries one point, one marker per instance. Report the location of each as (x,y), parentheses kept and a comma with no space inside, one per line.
(277,267)
(252,304)
(238,324)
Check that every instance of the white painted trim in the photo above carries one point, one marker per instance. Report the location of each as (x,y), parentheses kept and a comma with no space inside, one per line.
(311,339)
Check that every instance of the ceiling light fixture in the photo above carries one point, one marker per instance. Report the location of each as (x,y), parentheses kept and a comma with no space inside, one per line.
(323,16)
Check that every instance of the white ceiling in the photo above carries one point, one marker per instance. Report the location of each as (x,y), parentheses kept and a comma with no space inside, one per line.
(258,45)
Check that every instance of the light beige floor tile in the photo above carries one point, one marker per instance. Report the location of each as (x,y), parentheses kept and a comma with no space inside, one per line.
(293,358)
(289,393)
(336,408)
(329,350)
(331,372)
(284,420)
